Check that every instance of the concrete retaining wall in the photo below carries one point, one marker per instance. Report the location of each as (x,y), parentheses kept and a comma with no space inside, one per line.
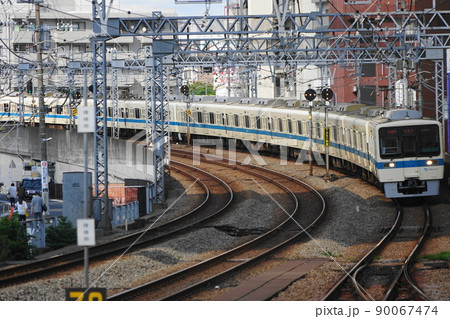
(126,159)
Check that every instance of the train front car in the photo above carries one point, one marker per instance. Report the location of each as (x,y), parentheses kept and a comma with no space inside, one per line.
(410,160)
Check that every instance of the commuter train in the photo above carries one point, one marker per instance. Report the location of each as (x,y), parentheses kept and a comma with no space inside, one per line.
(396,149)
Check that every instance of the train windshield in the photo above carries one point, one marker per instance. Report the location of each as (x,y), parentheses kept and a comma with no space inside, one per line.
(409,141)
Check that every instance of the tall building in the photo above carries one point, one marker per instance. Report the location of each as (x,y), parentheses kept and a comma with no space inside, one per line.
(368,83)
(67,26)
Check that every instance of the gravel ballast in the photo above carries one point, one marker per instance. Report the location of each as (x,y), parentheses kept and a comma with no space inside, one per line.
(356,218)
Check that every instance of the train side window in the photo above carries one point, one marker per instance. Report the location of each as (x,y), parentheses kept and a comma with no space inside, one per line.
(247,121)
(212,118)
(318,131)
(258,122)
(236,120)
(289,125)
(269,123)
(137,113)
(335,133)
(59,109)
(5,107)
(360,143)
(199,117)
(224,119)
(363,142)
(280,125)
(127,113)
(299,127)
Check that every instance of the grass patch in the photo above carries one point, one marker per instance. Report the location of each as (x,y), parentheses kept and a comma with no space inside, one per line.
(330,254)
(445,255)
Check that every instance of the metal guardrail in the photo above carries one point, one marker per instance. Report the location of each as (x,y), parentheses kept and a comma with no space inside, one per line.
(127,212)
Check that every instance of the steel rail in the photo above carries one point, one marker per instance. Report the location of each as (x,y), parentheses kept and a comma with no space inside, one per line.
(406,269)
(44,268)
(207,263)
(367,259)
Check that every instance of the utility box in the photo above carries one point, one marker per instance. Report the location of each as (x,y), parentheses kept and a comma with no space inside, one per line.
(73,196)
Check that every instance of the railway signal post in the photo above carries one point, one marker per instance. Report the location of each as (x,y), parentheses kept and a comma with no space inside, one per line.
(327,95)
(310,95)
(185,90)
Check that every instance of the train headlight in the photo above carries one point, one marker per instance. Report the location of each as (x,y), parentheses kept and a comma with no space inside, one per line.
(389,165)
(430,162)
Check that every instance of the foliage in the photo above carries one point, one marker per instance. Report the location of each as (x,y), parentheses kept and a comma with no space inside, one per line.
(14,240)
(445,255)
(200,88)
(62,235)
(330,254)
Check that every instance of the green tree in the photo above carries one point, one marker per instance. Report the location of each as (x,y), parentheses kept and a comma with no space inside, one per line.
(200,88)
(14,240)
(62,235)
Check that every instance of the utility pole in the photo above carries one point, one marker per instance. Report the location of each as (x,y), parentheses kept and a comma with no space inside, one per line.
(41,102)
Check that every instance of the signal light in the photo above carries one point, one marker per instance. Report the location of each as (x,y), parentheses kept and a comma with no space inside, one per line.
(30,87)
(185,90)
(76,95)
(310,94)
(327,94)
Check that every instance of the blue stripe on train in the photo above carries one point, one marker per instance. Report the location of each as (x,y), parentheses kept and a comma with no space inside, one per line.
(379,165)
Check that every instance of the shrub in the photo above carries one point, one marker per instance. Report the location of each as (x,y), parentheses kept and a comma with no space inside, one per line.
(62,235)
(14,240)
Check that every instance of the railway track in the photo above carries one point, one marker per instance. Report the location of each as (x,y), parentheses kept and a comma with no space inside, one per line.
(368,280)
(184,283)
(218,197)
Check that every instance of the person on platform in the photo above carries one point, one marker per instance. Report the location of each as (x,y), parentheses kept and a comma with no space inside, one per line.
(36,206)
(22,209)
(12,195)
(21,191)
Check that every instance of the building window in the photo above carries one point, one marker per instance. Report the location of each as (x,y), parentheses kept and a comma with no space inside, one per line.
(368,70)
